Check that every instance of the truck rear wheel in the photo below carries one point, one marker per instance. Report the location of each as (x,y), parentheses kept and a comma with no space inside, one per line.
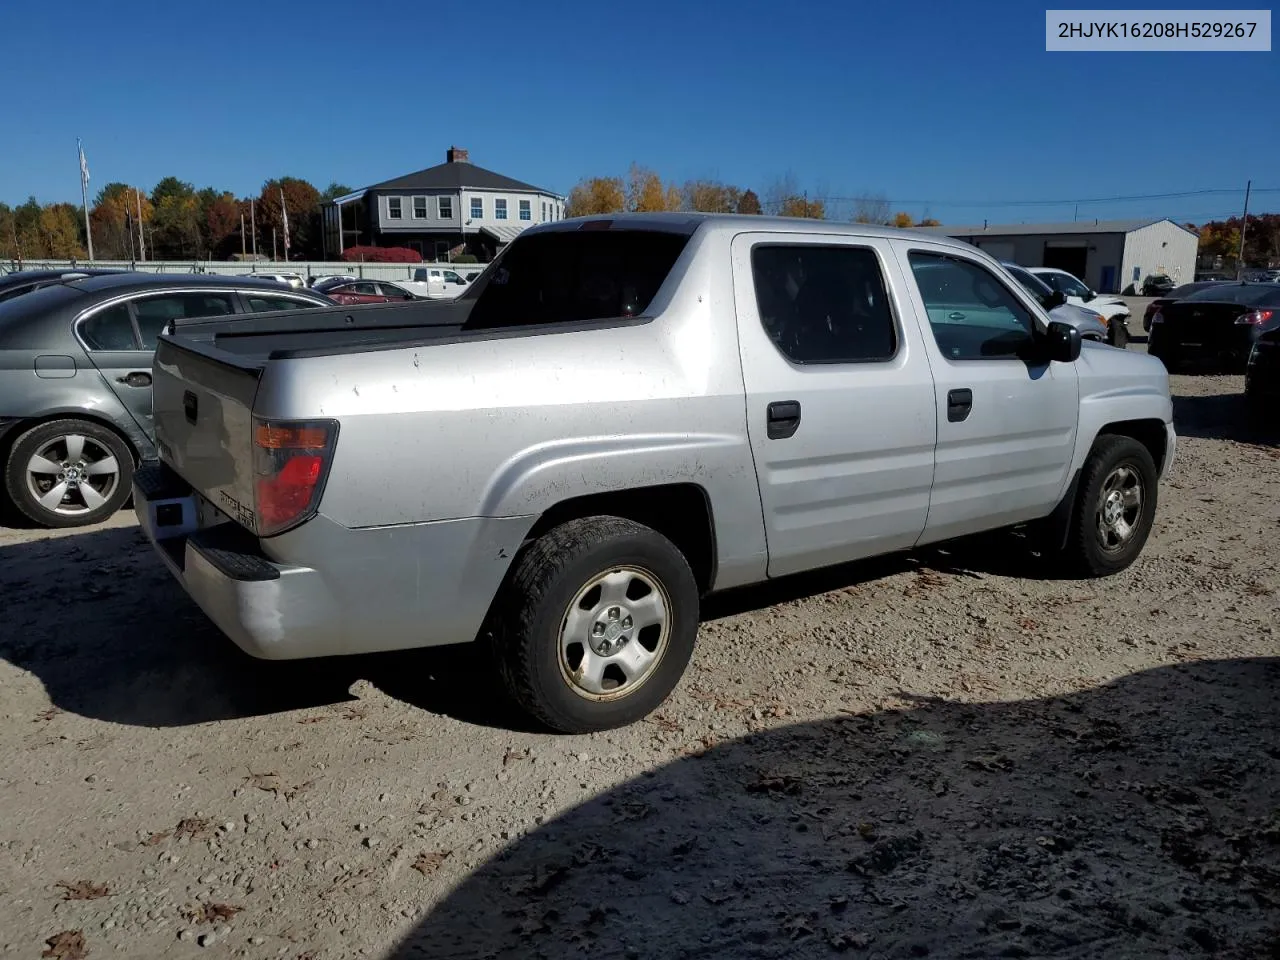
(1115,507)
(596,624)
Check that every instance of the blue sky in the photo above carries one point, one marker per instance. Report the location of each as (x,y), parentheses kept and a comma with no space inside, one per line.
(957,104)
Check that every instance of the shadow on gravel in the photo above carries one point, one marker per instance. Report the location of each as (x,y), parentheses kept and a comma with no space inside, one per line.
(97,619)
(1138,819)
(1221,417)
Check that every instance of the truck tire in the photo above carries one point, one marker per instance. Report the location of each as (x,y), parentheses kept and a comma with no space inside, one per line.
(69,473)
(1115,507)
(595,624)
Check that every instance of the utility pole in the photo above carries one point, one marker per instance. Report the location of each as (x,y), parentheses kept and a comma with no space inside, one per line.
(242,237)
(253,229)
(273,244)
(1244,226)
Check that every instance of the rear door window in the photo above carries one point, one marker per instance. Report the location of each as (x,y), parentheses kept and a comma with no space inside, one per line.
(563,277)
(110,329)
(260,304)
(824,304)
(154,313)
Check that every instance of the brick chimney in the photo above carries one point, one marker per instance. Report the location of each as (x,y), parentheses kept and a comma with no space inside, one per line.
(456,155)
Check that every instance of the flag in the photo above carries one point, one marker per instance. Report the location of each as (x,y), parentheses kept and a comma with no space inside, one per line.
(84,166)
(284,212)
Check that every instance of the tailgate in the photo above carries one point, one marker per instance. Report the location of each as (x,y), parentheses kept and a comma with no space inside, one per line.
(204,422)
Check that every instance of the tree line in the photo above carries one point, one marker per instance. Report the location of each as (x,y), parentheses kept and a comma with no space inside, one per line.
(1220,239)
(642,190)
(172,221)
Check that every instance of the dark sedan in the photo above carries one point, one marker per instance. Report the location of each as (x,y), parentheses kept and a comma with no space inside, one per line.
(1262,378)
(1157,285)
(24,281)
(369,291)
(1177,293)
(75,381)
(1219,324)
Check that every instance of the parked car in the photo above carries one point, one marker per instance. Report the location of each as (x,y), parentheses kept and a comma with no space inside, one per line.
(1113,309)
(1219,324)
(369,291)
(1177,293)
(75,381)
(1091,324)
(24,281)
(289,279)
(622,414)
(1262,378)
(322,283)
(1157,285)
(439,282)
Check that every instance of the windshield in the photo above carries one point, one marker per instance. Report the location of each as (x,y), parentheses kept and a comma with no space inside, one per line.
(1069,285)
(1032,284)
(1250,294)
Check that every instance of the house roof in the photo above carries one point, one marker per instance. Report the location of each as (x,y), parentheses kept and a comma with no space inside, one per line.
(1023,229)
(506,232)
(456,176)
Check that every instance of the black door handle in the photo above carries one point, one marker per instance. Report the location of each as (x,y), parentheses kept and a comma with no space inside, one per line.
(959,404)
(135,379)
(783,419)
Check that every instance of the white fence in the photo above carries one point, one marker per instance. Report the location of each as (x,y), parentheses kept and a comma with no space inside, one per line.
(372,271)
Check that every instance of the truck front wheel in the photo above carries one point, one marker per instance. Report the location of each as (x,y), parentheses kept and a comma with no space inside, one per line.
(596,624)
(1115,507)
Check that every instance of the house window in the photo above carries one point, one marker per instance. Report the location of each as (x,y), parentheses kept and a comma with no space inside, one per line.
(393,208)
(544,210)
(526,210)
(477,208)
(446,208)
(500,209)
(419,208)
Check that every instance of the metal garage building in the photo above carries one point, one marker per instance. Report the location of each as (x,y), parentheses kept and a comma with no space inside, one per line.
(1108,255)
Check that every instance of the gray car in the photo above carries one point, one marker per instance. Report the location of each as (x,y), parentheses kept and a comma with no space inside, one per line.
(1091,324)
(75,381)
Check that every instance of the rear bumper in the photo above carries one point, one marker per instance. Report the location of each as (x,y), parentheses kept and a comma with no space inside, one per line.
(359,591)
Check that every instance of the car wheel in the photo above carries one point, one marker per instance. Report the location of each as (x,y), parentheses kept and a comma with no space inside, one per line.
(69,473)
(595,624)
(1115,507)
(1118,332)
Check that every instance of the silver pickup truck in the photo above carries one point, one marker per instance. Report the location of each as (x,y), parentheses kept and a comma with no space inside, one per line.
(623,414)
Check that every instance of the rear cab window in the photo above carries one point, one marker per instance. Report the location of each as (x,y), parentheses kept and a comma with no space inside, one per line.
(574,277)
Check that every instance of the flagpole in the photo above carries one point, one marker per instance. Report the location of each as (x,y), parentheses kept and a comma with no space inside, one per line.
(142,250)
(84,197)
(284,213)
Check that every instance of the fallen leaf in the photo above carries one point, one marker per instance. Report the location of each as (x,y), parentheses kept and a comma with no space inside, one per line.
(266,782)
(775,784)
(83,890)
(197,828)
(48,714)
(666,723)
(155,838)
(312,719)
(355,713)
(797,927)
(299,789)
(512,755)
(431,861)
(209,912)
(67,945)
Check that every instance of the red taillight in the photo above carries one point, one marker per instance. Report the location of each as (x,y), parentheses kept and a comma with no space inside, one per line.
(290,460)
(1255,317)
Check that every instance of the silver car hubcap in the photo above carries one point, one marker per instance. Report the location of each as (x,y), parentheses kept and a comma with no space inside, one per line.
(72,475)
(614,633)
(1119,507)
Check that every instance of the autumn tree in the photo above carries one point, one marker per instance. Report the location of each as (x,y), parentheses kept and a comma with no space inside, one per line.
(595,196)
(220,218)
(59,232)
(302,201)
(9,249)
(646,193)
(902,219)
(871,209)
(335,190)
(929,222)
(709,196)
(800,205)
(749,203)
(176,223)
(114,216)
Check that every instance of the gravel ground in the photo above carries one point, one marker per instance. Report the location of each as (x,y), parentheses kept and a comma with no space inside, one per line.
(936,755)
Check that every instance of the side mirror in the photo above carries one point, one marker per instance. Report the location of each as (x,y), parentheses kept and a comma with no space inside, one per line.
(1056,299)
(1089,295)
(1062,342)
(407,296)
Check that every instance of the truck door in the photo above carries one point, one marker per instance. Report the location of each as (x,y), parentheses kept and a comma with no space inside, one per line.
(839,398)
(1006,425)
